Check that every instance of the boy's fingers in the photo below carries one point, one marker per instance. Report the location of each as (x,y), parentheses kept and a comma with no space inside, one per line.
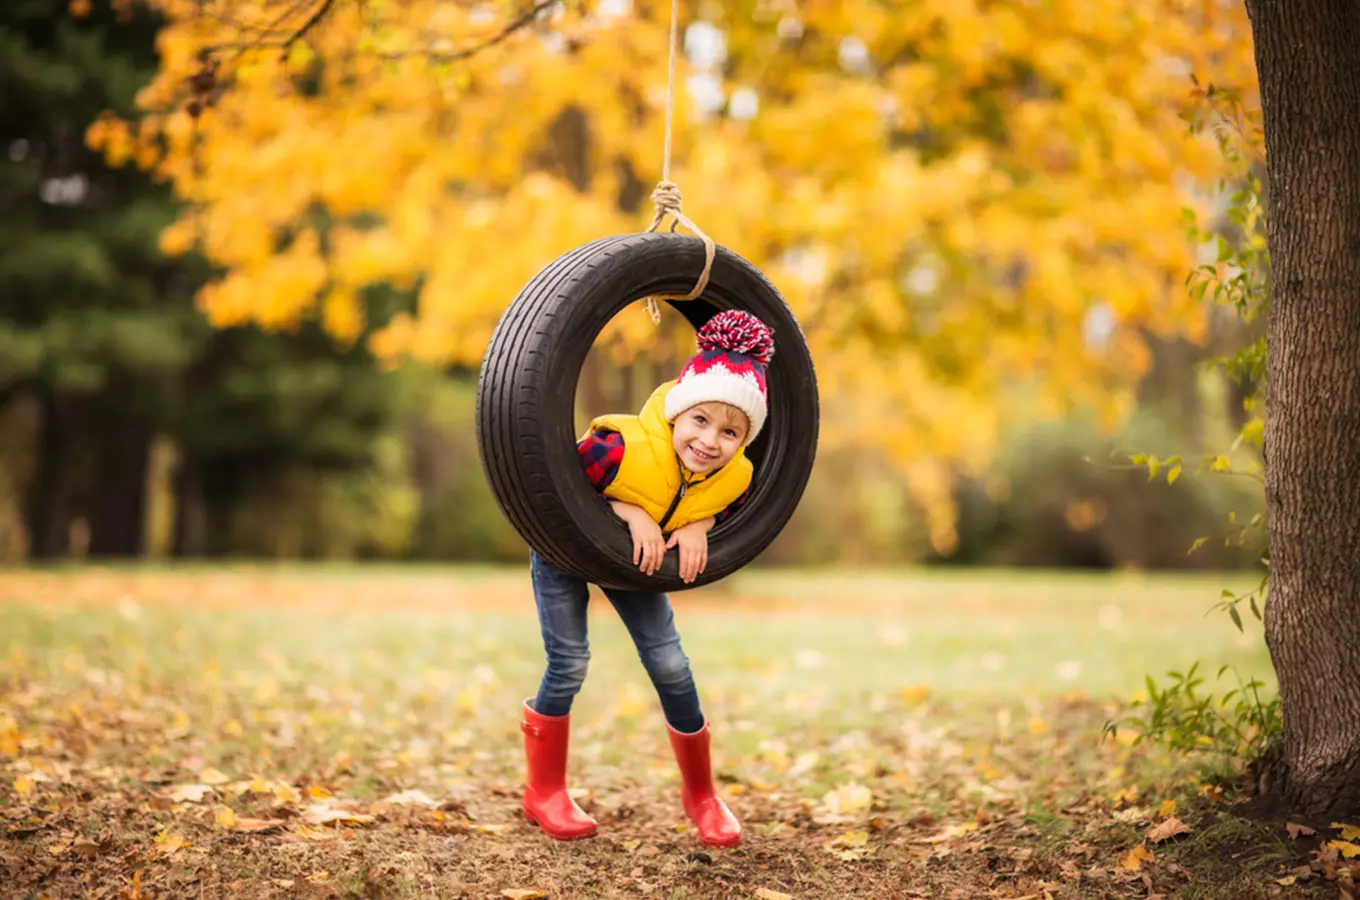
(675,539)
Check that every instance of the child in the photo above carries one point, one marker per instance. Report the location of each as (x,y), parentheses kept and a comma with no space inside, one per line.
(679,467)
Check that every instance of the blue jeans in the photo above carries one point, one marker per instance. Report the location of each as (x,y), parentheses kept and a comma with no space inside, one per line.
(562,599)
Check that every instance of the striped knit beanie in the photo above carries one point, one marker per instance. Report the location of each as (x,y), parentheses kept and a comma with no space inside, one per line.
(734,349)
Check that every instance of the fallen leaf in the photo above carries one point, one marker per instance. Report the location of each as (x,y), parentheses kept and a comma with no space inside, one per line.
(23,785)
(1348,832)
(850,846)
(226,817)
(524,894)
(1346,848)
(1303,873)
(1168,808)
(190,793)
(314,834)
(848,798)
(411,798)
(1164,831)
(952,831)
(1132,814)
(321,814)
(850,839)
(1296,830)
(85,847)
(212,776)
(1137,856)
(490,829)
(244,823)
(767,894)
(630,846)
(285,793)
(1286,881)
(168,843)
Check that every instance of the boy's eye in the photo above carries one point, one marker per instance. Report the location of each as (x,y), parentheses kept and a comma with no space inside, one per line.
(730,433)
(700,419)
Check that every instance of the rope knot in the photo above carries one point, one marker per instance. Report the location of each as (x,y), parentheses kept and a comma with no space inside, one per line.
(667,198)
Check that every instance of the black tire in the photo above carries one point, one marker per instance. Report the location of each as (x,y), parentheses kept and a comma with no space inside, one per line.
(526,397)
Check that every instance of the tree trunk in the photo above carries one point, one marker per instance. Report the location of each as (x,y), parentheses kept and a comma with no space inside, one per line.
(1308,60)
(48,510)
(191,531)
(118,514)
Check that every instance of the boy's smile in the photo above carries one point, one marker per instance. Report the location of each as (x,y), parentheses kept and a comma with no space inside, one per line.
(708,436)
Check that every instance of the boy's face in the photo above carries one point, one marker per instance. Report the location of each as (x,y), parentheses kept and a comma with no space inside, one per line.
(707,436)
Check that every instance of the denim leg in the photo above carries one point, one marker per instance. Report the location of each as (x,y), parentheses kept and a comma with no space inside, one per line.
(651,623)
(561,599)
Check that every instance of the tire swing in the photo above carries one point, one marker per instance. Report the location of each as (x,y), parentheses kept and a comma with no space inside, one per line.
(526,394)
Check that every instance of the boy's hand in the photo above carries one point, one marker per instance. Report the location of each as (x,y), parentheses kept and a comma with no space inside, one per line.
(692,539)
(649,545)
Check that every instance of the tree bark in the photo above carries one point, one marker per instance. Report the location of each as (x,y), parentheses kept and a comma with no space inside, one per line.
(118,516)
(1308,60)
(190,536)
(47,513)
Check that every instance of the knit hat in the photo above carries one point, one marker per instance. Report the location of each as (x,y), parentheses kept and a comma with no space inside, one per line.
(734,349)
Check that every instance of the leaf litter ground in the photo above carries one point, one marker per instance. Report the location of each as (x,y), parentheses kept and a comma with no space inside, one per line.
(353,732)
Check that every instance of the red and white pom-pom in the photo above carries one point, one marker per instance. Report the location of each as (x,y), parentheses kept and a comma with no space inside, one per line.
(737,331)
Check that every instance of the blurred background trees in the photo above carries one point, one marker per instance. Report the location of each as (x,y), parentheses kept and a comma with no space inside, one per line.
(251,328)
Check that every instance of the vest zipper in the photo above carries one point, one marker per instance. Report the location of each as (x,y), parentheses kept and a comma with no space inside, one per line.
(675,502)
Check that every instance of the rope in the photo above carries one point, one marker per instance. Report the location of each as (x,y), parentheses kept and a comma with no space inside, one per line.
(666,196)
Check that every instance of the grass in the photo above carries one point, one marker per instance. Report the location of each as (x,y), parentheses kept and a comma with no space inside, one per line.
(893,734)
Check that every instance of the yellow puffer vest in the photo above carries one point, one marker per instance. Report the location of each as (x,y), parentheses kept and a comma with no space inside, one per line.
(651,476)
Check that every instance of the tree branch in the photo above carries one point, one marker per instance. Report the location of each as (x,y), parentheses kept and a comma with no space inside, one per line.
(310,23)
(525,19)
(282,43)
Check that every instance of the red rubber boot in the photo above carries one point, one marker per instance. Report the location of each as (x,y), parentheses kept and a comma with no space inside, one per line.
(546,801)
(717,826)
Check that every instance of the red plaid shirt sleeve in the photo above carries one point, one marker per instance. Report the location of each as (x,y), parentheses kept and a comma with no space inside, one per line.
(601,452)
(731,508)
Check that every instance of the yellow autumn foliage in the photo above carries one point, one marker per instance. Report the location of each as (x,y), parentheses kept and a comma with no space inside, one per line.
(944,190)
